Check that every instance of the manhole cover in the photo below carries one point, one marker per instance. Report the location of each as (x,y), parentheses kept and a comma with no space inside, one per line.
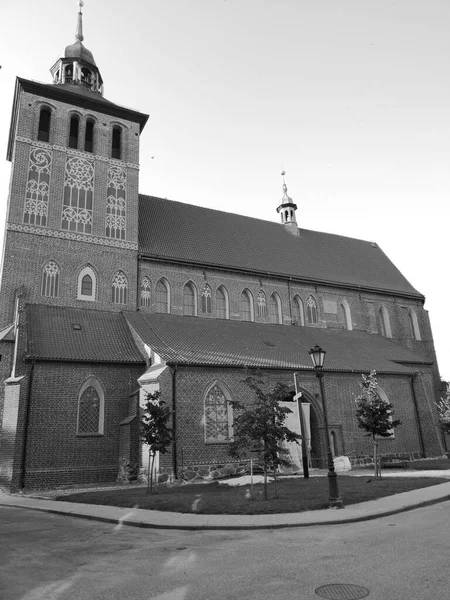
(342,591)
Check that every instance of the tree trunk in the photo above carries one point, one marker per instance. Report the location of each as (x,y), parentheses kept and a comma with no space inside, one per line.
(149,471)
(275,480)
(375,456)
(265,480)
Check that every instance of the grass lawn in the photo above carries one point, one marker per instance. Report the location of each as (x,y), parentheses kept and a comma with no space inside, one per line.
(294,495)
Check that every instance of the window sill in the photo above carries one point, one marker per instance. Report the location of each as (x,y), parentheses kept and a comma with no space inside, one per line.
(90,435)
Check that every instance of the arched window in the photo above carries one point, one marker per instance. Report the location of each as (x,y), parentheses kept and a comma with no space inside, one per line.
(247,310)
(162,296)
(91,408)
(311,310)
(119,288)
(116,146)
(347,316)
(189,300)
(206,299)
(87,284)
(261,305)
(68,74)
(218,414)
(89,136)
(275,313)
(44,124)
(222,303)
(73,131)
(414,324)
(50,280)
(385,324)
(145,292)
(299,311)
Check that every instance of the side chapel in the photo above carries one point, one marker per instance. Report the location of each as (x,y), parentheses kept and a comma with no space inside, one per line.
(107,293)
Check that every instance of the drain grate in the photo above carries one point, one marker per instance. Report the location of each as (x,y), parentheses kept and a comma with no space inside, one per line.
(342,591)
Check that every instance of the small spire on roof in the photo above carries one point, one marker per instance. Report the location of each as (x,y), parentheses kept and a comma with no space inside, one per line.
(285,198)
(287,210)
(79,31)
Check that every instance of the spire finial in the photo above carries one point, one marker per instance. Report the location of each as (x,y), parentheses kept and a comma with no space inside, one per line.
(284,188)
(79,31)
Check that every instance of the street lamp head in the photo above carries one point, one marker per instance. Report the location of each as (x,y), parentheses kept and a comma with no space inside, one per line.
(317,357)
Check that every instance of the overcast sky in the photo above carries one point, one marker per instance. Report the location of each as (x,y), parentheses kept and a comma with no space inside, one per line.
(351,97)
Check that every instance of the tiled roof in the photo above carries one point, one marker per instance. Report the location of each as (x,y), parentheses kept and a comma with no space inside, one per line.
(79,334)
(182,232)
(195,340)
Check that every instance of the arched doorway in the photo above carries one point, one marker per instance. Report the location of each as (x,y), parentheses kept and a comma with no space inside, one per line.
(317,451)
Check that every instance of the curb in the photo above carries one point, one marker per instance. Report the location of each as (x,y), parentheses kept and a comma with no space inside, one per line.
(186,527)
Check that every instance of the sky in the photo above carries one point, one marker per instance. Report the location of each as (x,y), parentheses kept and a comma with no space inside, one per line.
(350,97)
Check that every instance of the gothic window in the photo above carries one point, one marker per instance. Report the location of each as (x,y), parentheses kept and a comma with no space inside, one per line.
(189,300)
(50,280)
(261,305)
(119,288)
(116,204)
(275,313)
(385,324)
(38,186)
(345,315)
(73,132)
(91,408)
(116,145)
(78,195)
(145,292)
(162,296)
(218,415)
(222,304)
(311,310)
(87,284)
(247,309)
(44,124)
(89,136)
(206,299)
(414,324)
(299,311)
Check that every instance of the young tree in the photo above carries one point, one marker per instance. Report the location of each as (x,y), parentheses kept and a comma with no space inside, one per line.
(259,427)
(374,414)
(443,407)
(155,431)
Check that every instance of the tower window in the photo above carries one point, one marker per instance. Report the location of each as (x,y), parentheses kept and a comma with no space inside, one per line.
(44,125)
(73,132)
(116,149)
(89,136)
(86,286)
(50,280)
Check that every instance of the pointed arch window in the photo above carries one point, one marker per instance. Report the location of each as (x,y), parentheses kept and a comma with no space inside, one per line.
(73,131)
(162,296)
(50,280)
(91,408)
(222,303)
(311,310)
(87,284)
(299,311)
(145,292)
(44,124)
(119,288)
(206,299)
(414,324)
(247,309)
(218,415)
(116,144)
(261,305)
(385,324)
(275,312)
(346,314)
(89,136)
(189,300)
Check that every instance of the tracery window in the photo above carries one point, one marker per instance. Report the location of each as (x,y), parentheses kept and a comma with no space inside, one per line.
(299,312)
(247,310)
(261,305)
(311,310)
(119,288)
(145,292)
(218,416)
(189,300)
(78,195)
(275,314)
(162,297)
(44,124)
(50,280)
(222,306)
(87,284)
(206,299)
(73,132)
(116,144)
(116,204)
(38,187)
(91,400)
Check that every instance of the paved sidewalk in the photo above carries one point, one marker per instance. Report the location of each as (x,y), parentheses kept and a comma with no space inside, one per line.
(168,520)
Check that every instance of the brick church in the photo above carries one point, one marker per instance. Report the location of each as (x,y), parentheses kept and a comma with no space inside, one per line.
(107,293)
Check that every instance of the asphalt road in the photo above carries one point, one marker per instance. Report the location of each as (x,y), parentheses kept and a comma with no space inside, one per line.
(51,557)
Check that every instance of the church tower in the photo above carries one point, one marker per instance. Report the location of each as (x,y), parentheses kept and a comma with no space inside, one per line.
(72,222)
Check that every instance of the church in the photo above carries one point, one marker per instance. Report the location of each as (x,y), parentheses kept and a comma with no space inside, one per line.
(107,294)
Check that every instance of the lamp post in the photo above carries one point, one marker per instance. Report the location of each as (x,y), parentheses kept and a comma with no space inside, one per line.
(318,357)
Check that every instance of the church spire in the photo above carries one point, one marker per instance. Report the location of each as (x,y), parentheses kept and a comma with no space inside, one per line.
(77,68)
(287,210)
